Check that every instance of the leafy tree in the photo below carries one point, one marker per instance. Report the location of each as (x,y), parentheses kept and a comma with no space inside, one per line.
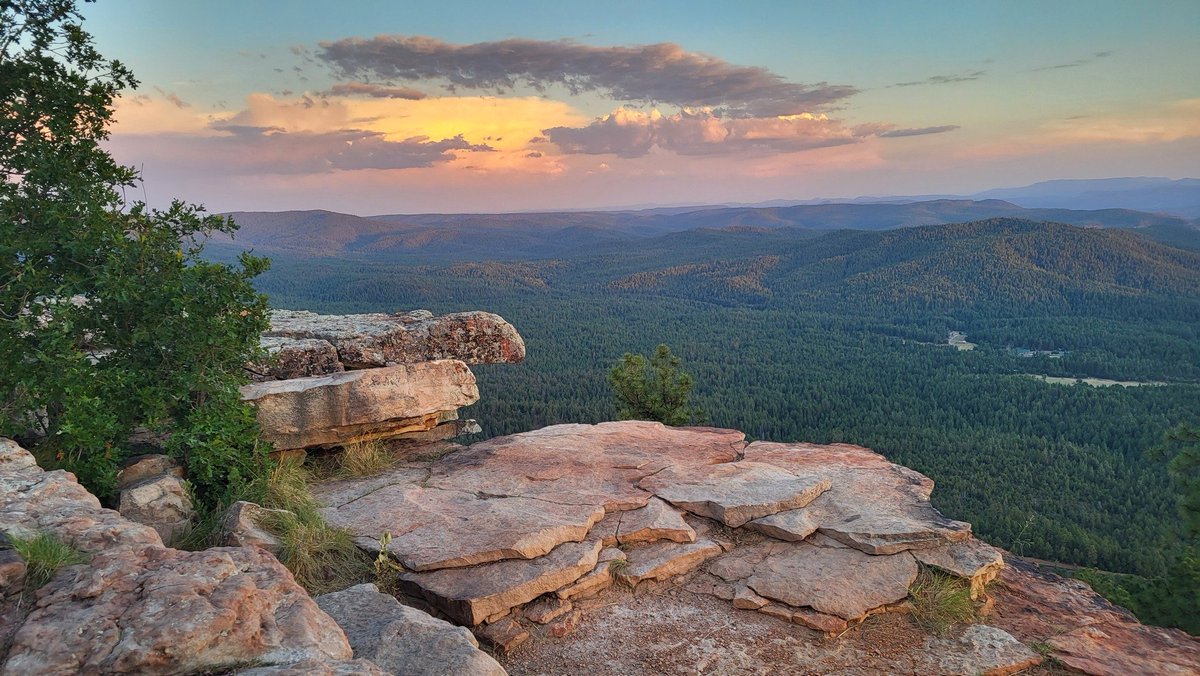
(109,319)
(654,389)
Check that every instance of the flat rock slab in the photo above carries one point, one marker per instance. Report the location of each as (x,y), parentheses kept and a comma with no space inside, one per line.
(356,405)
(374,340)
(873,505)
(155,610)
(403,640)
(663,560)
(656,521)
(583,464)
(980,649)
(433,528)
(471,595)
(970,559)
(836,581)
(734,493)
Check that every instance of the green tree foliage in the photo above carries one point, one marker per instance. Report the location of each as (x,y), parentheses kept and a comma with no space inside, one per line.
(1181,449)
(653,390)
(110,320)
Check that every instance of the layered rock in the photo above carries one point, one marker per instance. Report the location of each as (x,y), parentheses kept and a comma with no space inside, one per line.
(380,403)
(375,340)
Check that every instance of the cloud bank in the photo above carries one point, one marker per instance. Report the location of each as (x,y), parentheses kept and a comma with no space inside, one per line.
(661,73)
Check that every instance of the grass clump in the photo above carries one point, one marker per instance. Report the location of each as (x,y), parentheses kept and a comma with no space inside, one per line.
(322,558)
(363,458)
(940,601)
(44,555)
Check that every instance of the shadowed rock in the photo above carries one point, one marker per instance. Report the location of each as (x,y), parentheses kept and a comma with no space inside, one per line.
(404,640)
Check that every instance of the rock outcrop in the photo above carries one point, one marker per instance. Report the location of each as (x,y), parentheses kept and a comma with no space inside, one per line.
(515,537)
(140,607)
(152,492)
(374,340)
(334,380)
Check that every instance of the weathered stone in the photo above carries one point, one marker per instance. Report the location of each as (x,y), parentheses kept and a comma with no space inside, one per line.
(440,432)
(138,469)
(830,624)
(656,521)
(504,636)
(154,610)
(970,559)
(547,608)
(12,572)
(296,358)
(566,624)
(318,668)
(1084,631)
(161,502)
(404,640)
(583,464)
(33,501)
(745,599)
(373,340)
(980,649)
(589,585)
(842,582)
(663,560)
(433,528)
(872,505)
(242,526)
(734,493)
(470,595)
(376,403)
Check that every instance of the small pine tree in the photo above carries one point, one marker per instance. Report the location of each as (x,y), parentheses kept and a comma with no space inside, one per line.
(654,389)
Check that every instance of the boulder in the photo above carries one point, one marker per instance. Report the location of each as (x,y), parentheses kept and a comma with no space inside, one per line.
(734,493)
(353,406)
(318,668)
(663,560)
(471,595)
(403,640)
(161,502)
(33,501)
(373,340)
(152,610)
(242,527)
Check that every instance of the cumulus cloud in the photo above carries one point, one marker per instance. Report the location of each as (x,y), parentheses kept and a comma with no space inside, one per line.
(632,133)
(376,91)
(921,131)
(945,79)
(658,73)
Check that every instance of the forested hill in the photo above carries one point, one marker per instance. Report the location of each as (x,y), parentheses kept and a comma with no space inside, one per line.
(521,236)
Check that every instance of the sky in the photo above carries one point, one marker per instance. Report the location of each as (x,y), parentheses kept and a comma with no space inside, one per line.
(404,107)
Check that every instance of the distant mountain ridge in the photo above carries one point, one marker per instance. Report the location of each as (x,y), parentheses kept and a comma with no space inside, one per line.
(525,236)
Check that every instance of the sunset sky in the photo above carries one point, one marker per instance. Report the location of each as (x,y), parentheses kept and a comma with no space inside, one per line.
(398,107)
